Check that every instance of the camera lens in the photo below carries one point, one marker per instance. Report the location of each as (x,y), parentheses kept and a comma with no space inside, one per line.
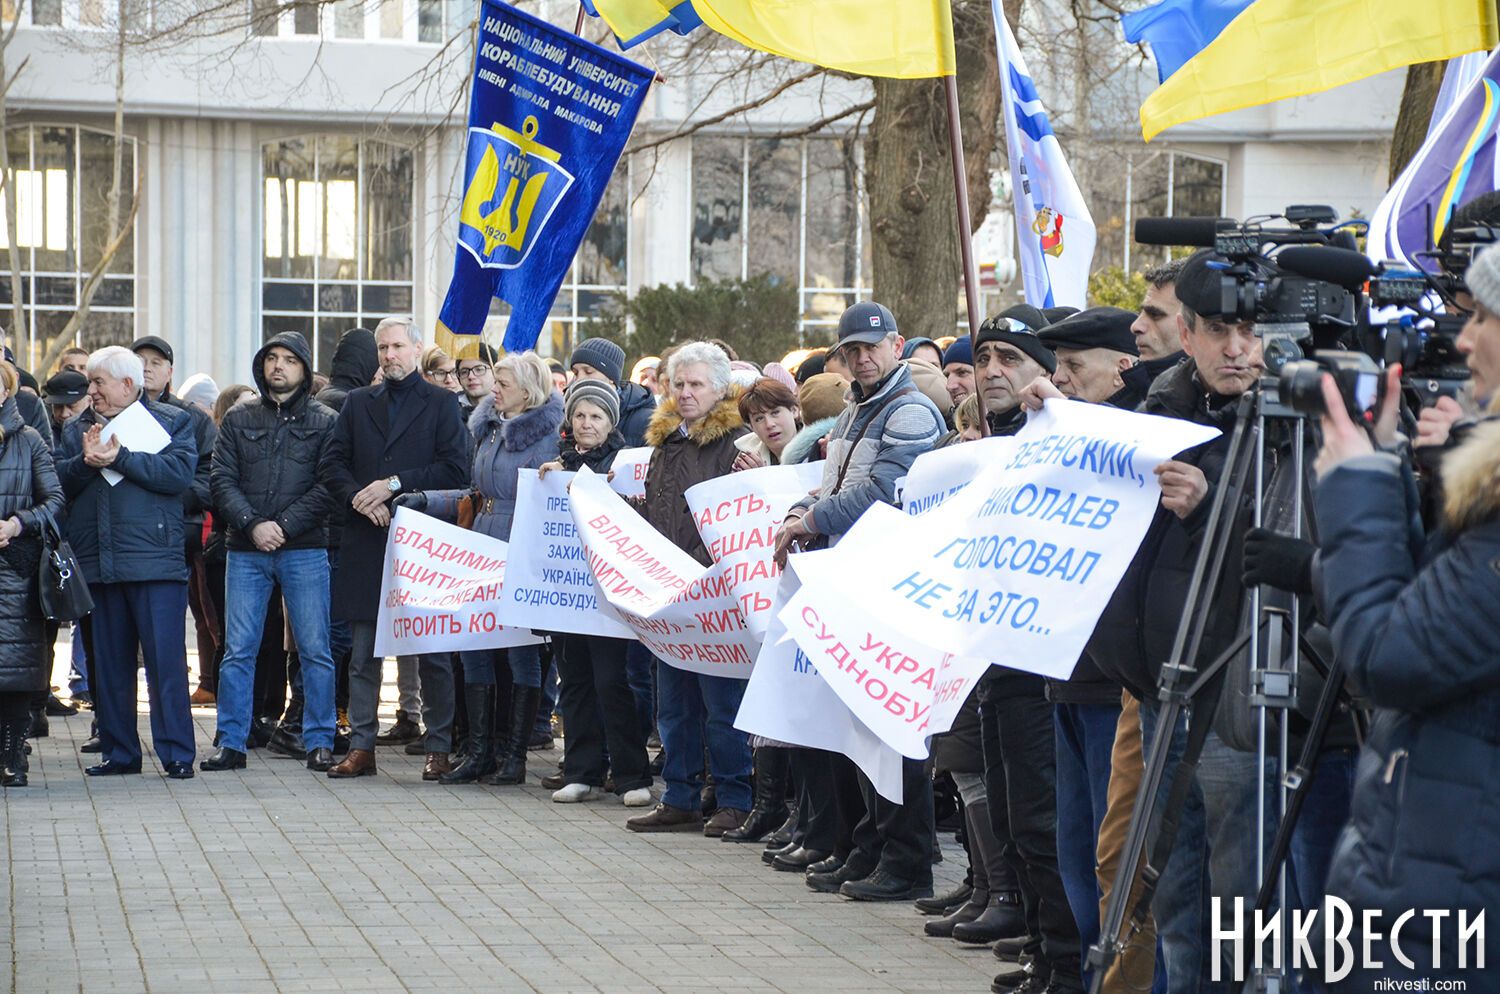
(1301,386)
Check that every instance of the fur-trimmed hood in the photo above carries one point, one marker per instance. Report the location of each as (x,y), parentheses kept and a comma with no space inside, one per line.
(804,445)
(1471,478)
(721,421)
(522,431)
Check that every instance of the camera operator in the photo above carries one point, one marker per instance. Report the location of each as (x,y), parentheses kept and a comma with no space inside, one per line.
(1418,634)
(1214,851)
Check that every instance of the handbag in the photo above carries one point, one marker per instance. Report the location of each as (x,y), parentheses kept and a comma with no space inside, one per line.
(61,588)
(816,542)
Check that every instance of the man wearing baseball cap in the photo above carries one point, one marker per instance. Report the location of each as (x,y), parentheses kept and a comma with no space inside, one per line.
(873,444)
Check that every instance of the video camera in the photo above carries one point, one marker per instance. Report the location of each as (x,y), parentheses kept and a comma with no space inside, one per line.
(1308,290)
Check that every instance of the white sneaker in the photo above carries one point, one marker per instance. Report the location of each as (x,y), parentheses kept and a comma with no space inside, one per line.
(572,793)
(638,798)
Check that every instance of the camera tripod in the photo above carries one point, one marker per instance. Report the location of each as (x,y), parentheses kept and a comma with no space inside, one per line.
(1185,688)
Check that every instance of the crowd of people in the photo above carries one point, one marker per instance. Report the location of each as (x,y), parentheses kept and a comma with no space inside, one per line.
(260,512)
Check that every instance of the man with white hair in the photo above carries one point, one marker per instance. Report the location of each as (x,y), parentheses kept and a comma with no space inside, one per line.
(399,436)
(125,523)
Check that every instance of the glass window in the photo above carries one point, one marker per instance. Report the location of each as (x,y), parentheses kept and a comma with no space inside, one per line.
(430,20)
(391,18)
(336,236)
(349,19)
(305,18)
(61,177)
(1197,187)
(601,258)
(775,182)
(718,189)
(264,17)
(46,13)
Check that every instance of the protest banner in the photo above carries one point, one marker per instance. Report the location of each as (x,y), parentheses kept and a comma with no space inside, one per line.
(1014,570)
(737,517)
(787,701)
(441,589)
(941,473)
(629,470)
(547,580)
(684,612)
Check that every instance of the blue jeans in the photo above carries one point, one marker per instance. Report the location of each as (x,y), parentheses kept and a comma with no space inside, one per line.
(249,579)
(1213,855)
(1085,739)
(693,704)
(640,671)
(525,665)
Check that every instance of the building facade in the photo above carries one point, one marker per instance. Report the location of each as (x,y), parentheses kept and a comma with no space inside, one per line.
(299,169)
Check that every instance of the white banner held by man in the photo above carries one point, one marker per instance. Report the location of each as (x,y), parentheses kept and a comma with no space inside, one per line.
(1015,569)
(440,589)
(548,583)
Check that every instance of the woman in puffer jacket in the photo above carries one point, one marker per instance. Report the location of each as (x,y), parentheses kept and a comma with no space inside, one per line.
(28,486)
(515,428)
(1419,633)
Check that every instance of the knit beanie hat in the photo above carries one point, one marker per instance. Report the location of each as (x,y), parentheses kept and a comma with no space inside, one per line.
(961,351)
(1483,279)
(604,396)
(604,355)
(822,396)
(777,372)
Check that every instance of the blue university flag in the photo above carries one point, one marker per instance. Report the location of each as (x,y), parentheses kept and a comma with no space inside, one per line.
(549,116)
(1456,163)
(1053,224)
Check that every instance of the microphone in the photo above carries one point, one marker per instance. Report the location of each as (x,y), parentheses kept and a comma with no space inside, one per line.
(1341,267)
(1197,231)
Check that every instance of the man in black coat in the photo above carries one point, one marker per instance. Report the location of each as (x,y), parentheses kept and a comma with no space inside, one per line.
(268,489)
(354,366)
(404,434)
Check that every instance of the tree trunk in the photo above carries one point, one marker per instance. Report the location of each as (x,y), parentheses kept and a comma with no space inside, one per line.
(909,176)
(1417,101)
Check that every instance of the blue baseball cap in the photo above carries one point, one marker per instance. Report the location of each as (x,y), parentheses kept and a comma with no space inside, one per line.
(866,322)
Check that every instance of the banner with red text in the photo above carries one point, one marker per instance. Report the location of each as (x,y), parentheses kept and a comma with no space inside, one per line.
(547,581)
(629,469)
(1015,568)
(440,589)
(686,613)
(737,517)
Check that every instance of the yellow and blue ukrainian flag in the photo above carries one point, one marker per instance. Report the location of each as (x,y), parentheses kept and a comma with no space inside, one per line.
(1221,55)
(905,39)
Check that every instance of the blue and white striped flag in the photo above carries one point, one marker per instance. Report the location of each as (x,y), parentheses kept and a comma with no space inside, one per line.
(1053,224)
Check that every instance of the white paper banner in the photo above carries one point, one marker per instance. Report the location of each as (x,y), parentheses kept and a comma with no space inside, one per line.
(629,467)
(787,701)
(440,589)
(737,517)
(941,473)
(685,613)
(548,583)
(1018,565)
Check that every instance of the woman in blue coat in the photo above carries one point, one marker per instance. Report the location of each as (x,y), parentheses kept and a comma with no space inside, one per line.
(1419,634)
(514,428)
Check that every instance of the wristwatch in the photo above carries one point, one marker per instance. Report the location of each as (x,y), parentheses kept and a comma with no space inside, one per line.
(394,483)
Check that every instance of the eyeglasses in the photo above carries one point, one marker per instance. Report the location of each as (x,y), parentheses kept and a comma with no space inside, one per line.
(478,369)
(444,374)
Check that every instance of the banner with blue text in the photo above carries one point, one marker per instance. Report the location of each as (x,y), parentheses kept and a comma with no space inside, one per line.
(549,115)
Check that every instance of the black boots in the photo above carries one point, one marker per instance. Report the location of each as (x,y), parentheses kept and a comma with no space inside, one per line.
(479,753)
(772,768)
(512,754)
(1001,916)
(13,752)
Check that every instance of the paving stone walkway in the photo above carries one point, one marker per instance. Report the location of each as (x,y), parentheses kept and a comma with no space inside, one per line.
(277,879)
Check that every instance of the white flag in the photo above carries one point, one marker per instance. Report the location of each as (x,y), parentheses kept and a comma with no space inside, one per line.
(1053,225)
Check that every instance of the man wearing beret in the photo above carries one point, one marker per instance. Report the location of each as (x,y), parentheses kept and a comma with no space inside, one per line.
(1136,632)
(1094,348)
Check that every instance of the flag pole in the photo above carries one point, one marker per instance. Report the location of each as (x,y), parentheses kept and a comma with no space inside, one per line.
(965,231)
(578,23)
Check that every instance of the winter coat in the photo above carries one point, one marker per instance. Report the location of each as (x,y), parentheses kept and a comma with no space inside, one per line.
(265,464)
(751,443)
(961,748)
(599,459)
(354,363)
(27,482)
(422,442)
(885,437)
(1136,631)
(683,460)
(637,405)
(804,445)
(199,497)
(32,413)
(131,532)
(502,448)
(1422,642)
